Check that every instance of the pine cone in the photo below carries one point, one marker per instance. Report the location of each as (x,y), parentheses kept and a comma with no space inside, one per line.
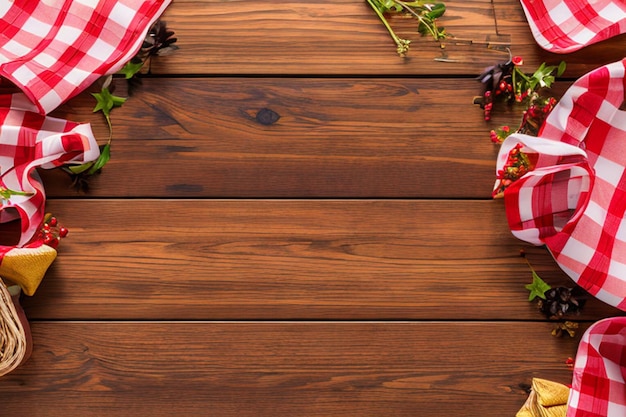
(561,301)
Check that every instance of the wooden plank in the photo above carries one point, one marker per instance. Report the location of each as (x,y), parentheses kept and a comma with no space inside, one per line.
(259,369)
(334,138)
(290,259)
(342,37)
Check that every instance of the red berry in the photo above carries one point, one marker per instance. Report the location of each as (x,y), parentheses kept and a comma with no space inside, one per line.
(63,231)
(53,221)
(51,241)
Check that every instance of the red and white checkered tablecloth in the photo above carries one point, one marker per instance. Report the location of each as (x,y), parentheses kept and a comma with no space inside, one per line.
(574,201)
(29,140)
(598,383)
(54,49)
(563,26)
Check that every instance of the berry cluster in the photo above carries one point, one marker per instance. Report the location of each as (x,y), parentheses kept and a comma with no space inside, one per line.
(517,165)
(532,119)
(538,110)
(505,86)
(51,232)
(508,83)
(498,135)
(561,301)
(487,104)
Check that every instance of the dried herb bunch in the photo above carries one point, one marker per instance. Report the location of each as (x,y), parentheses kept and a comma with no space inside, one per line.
(425,12)
(507,82)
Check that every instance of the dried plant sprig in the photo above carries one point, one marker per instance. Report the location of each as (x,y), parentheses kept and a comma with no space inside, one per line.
(425,12)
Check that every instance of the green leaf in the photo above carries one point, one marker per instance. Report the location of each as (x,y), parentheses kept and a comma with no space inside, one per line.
(436,11)
(538,287)
(105,156)
(105,101)
(77,169)
(423,29)
(561,69)
(129,70)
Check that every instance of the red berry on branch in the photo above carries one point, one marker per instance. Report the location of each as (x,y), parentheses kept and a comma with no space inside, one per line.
(63,231)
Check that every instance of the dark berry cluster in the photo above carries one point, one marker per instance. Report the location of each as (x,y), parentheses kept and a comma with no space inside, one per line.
(51,232)
(561,301)
(517,165)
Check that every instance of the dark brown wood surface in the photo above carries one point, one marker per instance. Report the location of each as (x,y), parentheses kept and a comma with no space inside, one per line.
(282,369)
(339,257)
(290,259)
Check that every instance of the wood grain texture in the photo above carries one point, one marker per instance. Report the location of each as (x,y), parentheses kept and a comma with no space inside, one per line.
(297,222)
(259,369)
(334,138)
(345,37)
(281,259)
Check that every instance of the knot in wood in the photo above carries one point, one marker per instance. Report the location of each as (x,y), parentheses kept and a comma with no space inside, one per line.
(267,116)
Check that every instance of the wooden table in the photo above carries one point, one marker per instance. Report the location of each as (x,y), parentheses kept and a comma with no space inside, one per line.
(345,259)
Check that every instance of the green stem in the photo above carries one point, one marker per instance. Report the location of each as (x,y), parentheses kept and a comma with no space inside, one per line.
(403,44)
(6,193)
(108,119)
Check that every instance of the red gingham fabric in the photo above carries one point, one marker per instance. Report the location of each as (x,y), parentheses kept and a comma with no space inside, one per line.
(574,201)
(563,26)
(598,387)
(54,49)
(29,140)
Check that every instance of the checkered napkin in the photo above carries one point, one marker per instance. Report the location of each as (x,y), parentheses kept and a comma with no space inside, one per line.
(54,49)
(563,26)
(598,387)
(574,200)
(29,140)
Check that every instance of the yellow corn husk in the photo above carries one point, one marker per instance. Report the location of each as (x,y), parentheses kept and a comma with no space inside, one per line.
(27,266)
(546,399)
(550,393)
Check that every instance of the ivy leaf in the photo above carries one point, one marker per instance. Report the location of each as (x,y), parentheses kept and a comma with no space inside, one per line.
(131,68)
(105,101)
(538,287)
